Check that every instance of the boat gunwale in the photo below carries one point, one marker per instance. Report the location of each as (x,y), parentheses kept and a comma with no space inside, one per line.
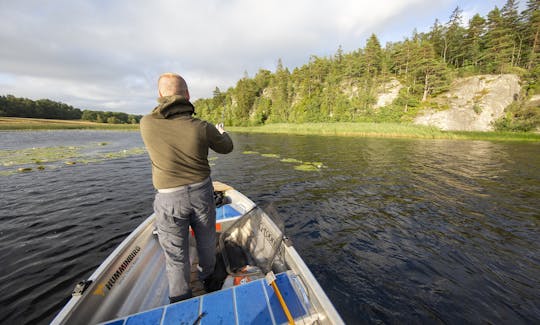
(288,253)
(71,305)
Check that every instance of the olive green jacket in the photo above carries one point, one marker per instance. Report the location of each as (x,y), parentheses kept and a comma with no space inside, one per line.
(178,143)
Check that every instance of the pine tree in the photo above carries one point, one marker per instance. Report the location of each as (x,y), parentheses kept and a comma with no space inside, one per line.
(429,72)
(473,42)
(280,97)
(531,21)
(373,56)
(454,39)
(436,37)
(510,20)
(499,43)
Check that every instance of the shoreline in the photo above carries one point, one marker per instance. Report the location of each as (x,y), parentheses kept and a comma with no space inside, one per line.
(383,130)
(36,124)
(348,129)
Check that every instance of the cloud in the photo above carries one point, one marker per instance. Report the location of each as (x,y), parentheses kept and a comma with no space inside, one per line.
(108,54)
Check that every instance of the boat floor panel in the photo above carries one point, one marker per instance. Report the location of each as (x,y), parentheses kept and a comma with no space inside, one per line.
(251,303)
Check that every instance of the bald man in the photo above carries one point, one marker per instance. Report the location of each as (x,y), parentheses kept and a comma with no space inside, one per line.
(178,144)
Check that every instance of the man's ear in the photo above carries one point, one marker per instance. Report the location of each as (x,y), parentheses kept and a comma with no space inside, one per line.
(159,91)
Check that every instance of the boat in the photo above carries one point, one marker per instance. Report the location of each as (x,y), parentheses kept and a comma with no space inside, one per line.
(267,282)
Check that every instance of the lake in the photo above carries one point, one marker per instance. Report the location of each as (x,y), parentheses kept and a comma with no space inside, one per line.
(395,231)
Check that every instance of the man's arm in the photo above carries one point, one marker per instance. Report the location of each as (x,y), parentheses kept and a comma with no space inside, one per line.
(218,139)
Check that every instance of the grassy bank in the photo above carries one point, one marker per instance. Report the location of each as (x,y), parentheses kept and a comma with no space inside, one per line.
(386,130)
(20,123)
(380,130)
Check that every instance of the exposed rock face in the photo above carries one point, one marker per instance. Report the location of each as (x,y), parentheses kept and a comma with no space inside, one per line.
(387,93)
(475,102)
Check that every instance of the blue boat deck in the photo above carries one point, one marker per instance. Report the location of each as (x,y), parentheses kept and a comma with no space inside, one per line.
(251,303)
(226,211)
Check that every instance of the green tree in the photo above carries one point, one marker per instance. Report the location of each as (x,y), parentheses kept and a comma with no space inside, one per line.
(429,71)
(454,51)
(373,56)
(499,43)
(531,21)
(473,41)
(437,38)
(512,26)
(246,92)
(280,96)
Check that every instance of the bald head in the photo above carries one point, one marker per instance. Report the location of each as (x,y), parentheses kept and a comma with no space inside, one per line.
(172,84)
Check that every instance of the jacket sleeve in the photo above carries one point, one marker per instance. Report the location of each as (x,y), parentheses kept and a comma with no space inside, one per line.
(220,143)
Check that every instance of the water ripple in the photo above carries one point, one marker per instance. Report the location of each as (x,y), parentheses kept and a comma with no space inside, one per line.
(396,231)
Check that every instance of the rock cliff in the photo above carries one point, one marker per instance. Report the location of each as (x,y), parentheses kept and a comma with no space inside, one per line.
(473,103)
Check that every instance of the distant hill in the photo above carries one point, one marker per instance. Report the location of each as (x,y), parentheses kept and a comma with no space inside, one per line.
(346,87)
(11,106)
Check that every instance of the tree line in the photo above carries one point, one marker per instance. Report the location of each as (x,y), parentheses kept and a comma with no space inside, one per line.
(344,86)
(11,106)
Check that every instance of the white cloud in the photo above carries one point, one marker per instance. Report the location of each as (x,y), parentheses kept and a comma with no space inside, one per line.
(108,54)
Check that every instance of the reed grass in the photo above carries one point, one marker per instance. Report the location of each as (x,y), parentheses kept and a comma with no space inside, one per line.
(383,130)
(21,123)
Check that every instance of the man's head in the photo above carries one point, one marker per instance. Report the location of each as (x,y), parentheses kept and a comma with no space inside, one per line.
(172,84)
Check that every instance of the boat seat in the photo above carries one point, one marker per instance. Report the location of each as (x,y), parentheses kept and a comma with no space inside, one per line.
(251,303)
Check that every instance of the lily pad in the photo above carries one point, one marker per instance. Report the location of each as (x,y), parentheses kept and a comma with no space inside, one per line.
(291,160)
(270,155)
(310,166)
(306,168)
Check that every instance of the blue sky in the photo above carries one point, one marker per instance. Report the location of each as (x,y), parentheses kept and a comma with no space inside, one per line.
(107,55)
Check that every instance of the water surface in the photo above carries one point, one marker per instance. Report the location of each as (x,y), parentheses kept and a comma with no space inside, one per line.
(396,231)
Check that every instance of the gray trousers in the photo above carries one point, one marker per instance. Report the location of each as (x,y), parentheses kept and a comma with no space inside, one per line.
(191,205)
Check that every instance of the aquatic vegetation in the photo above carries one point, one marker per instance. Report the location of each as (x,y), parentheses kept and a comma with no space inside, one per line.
(37,155)
(302,165)
(53,157)
(291,160)
(247,152)
(124,153)
(306,168)
(310,166)
(270,155)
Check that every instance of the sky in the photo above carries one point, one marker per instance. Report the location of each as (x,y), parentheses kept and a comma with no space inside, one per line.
(108,54)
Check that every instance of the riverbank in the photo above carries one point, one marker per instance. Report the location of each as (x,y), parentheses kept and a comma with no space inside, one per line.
(21,123)
(375,130)
(382,130)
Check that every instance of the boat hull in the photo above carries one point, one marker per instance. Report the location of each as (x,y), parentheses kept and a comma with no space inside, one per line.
(133,279)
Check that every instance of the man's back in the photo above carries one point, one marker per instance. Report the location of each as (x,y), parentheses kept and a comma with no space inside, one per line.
(178,145)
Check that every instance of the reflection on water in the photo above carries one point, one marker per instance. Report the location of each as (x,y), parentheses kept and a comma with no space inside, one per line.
(396,231)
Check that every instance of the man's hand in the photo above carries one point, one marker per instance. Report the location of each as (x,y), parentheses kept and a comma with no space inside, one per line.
(220,128)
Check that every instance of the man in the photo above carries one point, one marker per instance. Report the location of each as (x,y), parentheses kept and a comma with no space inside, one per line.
(178,147)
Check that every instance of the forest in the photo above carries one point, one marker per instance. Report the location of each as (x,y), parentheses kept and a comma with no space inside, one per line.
(11,106)
(342,87)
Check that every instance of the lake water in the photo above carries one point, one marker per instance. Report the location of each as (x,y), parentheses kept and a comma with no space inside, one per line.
(395,231)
